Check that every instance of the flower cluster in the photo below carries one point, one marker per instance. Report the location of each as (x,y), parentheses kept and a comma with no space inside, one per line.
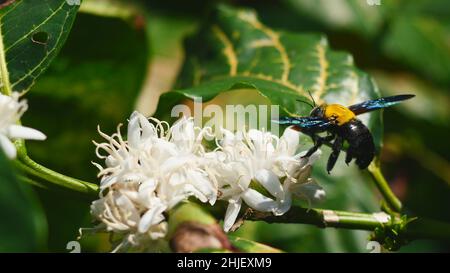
(159,166)
(11,110)
(269,162)
(149,173)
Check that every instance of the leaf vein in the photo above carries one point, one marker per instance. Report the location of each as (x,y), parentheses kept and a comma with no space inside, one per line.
(287,84)
(43,59)
(275,37)
(228,50)
(11,9)
(37,27)
(323,71)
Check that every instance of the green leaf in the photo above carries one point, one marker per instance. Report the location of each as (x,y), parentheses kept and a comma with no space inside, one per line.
(415,33)
(422,42)
(394,83)
(23,226)
(234,50)
(33,32)
(355,15)
(111,8)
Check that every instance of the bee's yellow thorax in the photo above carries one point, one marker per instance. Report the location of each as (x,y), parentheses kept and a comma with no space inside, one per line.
(339,113)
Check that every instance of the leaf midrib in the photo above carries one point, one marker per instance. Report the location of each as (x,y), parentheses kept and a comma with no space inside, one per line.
(4,75)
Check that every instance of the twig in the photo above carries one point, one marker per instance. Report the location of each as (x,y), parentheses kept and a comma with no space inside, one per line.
(392,201)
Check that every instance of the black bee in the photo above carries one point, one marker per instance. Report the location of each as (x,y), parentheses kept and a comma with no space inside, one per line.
(342,125)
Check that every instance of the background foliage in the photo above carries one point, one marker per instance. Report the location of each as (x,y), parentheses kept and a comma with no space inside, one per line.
(120,55)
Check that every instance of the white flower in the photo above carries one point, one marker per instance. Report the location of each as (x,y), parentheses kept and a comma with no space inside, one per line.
(272,163)
(121,211)
(11,110)
(154,154)
(156,168)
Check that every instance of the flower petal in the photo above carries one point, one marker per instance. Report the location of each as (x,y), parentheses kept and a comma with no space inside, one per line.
(228,138)
(259,201)
(203,184)
(146,192)
(234,206)
(127,207)
(152,217)
(8,147)
(269,180)
(311,191)
(284,203)
(183,133)
(148,130)
(262,142)
(134,130)
(108,181)
(158,231)
(291,139)
(22,132)
(174,163)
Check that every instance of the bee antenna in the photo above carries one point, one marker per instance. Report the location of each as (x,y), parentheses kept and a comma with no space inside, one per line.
(305,102)
(312,98)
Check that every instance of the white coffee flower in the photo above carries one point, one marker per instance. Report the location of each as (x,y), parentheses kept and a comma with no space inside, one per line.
(11,110)
(120,212)
(155,153)
(150,172)
(271,162)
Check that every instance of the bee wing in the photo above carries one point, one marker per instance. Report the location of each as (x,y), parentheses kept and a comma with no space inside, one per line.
(305,122)
(376,104)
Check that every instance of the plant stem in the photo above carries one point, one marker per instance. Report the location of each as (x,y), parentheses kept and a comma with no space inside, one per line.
(324,218)
(61,180)
(420,228)
(28,166)
(5,85)
(392,201)
(31,181)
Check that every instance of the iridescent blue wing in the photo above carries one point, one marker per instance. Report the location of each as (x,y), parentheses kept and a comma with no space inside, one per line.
(316,123)
(376,104)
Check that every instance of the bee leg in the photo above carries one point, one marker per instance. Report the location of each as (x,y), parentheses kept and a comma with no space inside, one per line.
(337,146)
(349,156)
(318,141)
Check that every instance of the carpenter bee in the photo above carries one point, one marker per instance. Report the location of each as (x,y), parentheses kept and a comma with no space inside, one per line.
(341,124)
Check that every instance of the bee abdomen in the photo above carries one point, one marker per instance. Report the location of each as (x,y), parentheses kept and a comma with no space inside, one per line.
(360,140)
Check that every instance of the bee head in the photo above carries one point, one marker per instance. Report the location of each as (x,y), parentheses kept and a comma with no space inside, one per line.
(317,111)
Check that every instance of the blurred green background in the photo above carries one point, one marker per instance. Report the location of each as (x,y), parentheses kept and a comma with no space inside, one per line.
(124,58)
